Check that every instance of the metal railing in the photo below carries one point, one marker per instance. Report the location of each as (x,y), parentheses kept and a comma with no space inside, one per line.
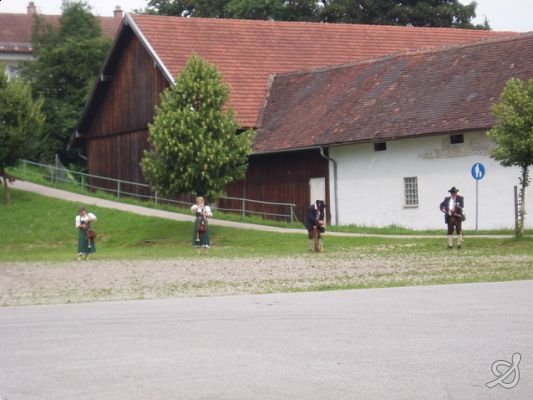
(119,188)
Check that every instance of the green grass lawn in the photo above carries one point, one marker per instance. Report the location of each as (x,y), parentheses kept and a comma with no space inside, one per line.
(40,228)
(36,175)
(142,257)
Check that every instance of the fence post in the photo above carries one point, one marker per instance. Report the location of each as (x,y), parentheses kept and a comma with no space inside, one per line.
(243,209)
(155,198)
(118,189)
(292,213)
(55,168)
(516,224)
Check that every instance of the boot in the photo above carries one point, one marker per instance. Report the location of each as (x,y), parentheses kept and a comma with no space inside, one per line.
(450,241)
(320,246)
(310,244)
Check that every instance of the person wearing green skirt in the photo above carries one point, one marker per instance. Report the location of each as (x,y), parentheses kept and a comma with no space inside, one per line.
(200,237)
(86,246)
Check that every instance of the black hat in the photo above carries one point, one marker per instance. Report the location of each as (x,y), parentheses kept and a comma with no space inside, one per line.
(453,190)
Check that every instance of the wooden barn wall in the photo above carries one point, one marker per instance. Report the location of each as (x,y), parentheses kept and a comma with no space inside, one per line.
(281,177)
(118,132)
(122,154)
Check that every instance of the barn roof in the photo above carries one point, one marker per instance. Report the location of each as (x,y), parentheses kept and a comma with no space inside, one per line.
(404,95)
(15,30)
(247,52)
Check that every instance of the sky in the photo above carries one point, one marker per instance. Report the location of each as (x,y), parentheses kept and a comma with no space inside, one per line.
(503,15)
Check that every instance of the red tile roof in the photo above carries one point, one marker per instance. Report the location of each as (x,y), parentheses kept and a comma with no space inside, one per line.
(15,30)
(247,52)
(404,95)
(110,25)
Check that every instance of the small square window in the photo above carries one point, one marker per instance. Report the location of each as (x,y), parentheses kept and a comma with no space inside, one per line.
(411,191)
(456,139)
(381,146)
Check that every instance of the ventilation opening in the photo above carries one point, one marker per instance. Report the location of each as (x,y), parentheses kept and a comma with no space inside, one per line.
(381,146)
(456,139)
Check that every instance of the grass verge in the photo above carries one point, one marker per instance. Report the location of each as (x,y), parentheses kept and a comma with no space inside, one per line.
(142,257)
(35,175)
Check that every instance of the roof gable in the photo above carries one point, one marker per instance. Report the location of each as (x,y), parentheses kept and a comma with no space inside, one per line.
(402,95)
(247,52)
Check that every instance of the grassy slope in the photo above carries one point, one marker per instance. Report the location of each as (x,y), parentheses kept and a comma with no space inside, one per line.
(37,229)
(34,174)
(40,228)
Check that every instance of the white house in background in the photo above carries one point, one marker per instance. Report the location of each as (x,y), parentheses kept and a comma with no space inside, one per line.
(16,29)
(400,131)
(404,184)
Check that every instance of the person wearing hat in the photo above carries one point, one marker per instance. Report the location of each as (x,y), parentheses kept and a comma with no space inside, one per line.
(452,207)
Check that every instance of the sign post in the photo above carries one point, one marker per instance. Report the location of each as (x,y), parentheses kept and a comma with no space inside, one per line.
(478,172)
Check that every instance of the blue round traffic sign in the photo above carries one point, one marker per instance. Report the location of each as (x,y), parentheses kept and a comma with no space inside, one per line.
(478,171)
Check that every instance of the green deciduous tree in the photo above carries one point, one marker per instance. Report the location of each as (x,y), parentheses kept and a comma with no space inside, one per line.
(513,134)
(195,146)
(256,9)
(68,59)
(188,8)
(430,13)
(436,13)
(20,122)
(278,10)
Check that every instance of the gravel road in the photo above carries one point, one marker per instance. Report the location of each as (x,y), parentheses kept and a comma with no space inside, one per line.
(99,280)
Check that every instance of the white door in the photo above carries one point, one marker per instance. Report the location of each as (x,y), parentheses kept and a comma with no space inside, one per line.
(317,190)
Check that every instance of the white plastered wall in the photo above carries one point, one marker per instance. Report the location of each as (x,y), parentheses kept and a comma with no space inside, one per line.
(371,184)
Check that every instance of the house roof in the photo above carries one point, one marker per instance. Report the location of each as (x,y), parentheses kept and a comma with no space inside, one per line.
(247,52)
(398,96)
(15,30)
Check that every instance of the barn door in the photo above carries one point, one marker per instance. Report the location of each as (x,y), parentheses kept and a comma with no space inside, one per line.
(317,189)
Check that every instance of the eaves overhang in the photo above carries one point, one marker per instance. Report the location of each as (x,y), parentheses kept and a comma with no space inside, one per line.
(331,144)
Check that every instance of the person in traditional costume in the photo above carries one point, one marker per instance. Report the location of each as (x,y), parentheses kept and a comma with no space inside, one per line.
(86,243)
(452,206)
(201,227)
(315,225)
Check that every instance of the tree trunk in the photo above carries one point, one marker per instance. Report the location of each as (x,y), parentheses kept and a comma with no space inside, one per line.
(7,195)
(524,181)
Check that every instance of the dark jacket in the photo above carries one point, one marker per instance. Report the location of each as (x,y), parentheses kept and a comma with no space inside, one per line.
(315,212)
(458,210)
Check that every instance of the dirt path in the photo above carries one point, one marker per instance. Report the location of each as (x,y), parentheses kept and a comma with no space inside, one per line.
(88,200)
